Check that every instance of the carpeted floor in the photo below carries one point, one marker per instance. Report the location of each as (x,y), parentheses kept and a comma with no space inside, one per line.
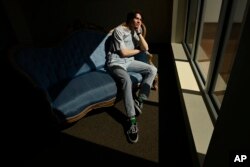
(100,138)
(107,128)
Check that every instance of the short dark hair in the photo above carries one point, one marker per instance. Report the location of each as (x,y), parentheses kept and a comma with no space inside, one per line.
(131,15)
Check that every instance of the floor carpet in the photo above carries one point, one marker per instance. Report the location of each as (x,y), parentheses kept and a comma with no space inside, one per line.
(100,138)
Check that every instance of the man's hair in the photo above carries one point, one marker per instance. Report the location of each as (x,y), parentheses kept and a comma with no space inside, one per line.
(131,15)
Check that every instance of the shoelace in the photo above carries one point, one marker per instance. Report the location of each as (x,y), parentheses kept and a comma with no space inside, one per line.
(133,129)
(139,104)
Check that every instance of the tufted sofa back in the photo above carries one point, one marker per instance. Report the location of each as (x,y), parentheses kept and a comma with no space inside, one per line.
(82,52)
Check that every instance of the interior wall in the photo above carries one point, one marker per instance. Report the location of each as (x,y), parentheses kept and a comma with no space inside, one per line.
(47,19)
(214,5)
(6,32)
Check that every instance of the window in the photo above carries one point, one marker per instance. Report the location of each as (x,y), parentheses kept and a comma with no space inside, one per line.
(212,35)
(193,9)
(229,51)
(207,37)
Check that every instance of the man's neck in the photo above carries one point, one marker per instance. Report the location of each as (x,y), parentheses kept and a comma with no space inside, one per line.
(129,26)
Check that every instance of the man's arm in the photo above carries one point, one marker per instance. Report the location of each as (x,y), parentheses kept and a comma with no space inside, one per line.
(143,45)
(129,52)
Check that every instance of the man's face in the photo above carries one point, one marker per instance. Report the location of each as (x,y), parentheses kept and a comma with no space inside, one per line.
(137,21)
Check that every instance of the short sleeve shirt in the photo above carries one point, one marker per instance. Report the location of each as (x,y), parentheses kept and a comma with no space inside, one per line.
(123,38)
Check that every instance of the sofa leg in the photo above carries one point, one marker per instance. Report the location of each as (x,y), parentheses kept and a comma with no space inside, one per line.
(155,83)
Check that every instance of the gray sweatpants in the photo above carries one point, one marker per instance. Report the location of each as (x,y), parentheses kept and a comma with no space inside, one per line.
(121,74)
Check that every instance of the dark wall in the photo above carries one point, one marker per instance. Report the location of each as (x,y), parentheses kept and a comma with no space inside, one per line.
(7,35)
(46,20)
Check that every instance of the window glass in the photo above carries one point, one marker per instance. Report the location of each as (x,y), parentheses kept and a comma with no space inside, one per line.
(228,55)
(191,23)
(208,34)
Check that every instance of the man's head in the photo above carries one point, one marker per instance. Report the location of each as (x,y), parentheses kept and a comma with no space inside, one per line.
(134,19)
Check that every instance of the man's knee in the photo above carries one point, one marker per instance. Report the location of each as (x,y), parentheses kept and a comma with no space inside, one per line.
(154,70)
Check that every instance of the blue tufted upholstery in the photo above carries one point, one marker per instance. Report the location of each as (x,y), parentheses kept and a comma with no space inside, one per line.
(78,54)
(73,74)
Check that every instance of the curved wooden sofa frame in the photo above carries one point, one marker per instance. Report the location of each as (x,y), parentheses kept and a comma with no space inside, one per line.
(77,117)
